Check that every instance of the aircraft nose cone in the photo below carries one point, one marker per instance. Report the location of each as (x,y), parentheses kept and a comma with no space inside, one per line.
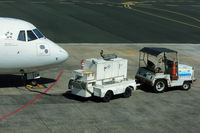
(63,55)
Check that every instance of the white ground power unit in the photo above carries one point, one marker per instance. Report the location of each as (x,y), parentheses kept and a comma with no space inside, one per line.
(102,78)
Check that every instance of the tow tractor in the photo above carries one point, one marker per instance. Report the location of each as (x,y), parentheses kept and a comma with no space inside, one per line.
(102,77)
(159,68)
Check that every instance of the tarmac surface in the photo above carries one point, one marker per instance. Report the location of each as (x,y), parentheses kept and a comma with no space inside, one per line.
(57,111)
(110,21)
(83,28)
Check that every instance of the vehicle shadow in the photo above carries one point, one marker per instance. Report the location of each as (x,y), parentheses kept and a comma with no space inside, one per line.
(149,89)
(69,95)
(18,81)
(146,88)
(174,89)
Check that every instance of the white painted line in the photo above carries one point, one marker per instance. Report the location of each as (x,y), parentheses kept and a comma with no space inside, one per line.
(195,5)
(145,4)
(76,1)
(110,5)
(120,6)
(66,3)
(99,3)
(38,2)
(172,5)
(8,1)
(92,3)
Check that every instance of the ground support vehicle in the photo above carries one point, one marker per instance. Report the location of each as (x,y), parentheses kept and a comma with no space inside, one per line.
(159,68)
(102,78)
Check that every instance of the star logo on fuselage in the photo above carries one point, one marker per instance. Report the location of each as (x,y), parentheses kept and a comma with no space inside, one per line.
(9,35)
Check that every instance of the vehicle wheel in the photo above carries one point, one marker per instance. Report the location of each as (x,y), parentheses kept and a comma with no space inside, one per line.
(70,84)
(160,86)
(128,92)
(33,82)
(186,86)
(107,96)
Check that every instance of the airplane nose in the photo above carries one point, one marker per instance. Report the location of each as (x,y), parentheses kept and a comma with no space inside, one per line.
(63,55)
(57,53)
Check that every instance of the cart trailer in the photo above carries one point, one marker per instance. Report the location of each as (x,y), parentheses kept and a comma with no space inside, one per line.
(102,78)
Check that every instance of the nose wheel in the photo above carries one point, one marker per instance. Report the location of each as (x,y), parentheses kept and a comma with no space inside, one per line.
(31,80)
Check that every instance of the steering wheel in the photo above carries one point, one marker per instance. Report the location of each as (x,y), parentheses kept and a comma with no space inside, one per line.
(157,69)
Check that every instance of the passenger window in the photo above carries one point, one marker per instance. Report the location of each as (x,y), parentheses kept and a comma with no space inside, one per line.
(21,36)
(31,35)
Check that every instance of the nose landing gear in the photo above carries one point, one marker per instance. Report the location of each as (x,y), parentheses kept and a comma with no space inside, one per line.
(31,80)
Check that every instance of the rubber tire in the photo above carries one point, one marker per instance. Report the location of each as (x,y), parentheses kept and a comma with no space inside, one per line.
(186,86)
(163,83)
(107,96)
(69,84)
(34,82)
(128,92)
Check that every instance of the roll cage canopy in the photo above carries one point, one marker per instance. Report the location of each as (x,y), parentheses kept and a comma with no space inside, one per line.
(156,51)
(158,59)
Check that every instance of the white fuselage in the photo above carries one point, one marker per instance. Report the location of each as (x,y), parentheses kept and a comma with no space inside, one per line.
(26,55)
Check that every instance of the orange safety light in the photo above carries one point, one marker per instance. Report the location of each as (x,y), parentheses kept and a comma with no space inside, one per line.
(82,64)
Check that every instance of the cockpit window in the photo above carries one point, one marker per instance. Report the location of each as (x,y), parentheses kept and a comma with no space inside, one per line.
(31,35)
(21,36)
(38,33)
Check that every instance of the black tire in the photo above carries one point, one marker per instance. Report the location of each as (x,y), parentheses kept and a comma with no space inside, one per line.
(70,84)
(160,86)
(186,86)
(33,82)
(107,96)
(128,92)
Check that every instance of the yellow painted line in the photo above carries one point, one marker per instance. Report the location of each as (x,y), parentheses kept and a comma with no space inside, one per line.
(129,52)
(190,57)
(128,3)
(131,3)
(173,12)
(165,18)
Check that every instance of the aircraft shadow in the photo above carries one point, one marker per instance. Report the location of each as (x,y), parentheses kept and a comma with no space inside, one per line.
(18,81)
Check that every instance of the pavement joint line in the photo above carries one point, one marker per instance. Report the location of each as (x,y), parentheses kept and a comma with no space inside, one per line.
(44,123)
(162,17)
